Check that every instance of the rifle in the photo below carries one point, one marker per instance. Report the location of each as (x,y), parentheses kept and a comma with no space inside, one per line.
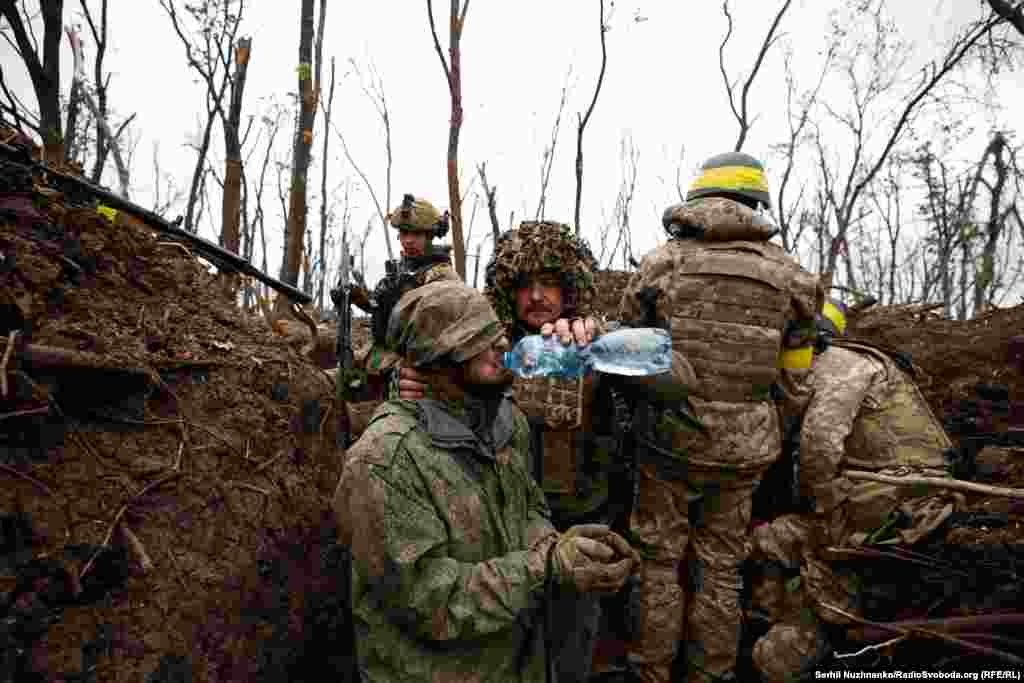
(223,259)
(342,298)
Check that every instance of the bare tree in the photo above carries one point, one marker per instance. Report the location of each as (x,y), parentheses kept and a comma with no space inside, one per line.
(1013,14)
(886,194)
(101,85)
(798,112)
(232,199)
(43,67)
(80,86)
(548,156)
(373,87)
(301,154)
(491,193)
(581,121)
(884,58)
(739,109)
(216,25)
(986,284)
(629,157)
(453,74)
(323,186)
(165,193)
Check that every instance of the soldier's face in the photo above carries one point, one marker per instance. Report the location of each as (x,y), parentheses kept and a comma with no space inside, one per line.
(485,372)
(413,243)
(539,301)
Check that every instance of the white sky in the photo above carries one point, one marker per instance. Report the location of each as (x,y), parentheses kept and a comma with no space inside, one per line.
(662,87)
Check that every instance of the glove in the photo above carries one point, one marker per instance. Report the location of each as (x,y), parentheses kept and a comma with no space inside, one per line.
(593,558)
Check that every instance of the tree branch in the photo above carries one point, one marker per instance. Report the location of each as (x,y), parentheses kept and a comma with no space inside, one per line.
(586,118)
(437,44)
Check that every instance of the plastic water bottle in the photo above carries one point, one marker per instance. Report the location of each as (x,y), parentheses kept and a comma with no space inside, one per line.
(626,351)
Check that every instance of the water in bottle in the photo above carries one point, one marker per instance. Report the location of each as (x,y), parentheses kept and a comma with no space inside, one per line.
(639,351)
(537,356)
(626,351)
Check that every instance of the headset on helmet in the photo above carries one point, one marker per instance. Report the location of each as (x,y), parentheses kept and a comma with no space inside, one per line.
(419,215)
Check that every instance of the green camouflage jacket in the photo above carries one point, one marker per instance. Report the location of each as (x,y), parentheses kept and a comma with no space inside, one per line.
(447,536)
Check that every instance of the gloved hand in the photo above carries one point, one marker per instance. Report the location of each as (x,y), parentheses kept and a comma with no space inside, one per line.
(593,558)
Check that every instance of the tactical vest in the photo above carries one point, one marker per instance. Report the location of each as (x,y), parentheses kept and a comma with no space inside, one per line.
(572,455)
(895,426)
(730,302)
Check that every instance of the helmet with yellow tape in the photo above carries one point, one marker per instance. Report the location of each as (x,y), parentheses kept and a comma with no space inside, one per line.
(733,175)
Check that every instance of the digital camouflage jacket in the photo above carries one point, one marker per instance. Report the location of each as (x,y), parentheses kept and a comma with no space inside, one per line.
(867,413)
(730,298)
(448,538)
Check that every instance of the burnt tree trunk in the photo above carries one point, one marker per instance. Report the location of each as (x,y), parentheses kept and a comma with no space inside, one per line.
(231,207)
(301,153)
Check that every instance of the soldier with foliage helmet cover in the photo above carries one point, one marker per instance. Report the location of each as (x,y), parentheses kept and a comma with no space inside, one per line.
(418,223)
(863,411)
(452,545)
(540,280)
(733,302)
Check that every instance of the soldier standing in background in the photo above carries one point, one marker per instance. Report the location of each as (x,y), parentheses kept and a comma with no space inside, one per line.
(733,301)
(418,224)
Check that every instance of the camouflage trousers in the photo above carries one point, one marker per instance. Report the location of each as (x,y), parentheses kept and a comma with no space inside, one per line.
(690,585)
(793,605)
(797,606)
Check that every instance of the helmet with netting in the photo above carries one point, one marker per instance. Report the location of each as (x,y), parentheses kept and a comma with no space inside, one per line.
(541,247)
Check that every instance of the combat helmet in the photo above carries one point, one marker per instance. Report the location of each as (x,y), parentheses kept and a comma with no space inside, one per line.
(733,175)
(535,247)
(443,321)
(419,215)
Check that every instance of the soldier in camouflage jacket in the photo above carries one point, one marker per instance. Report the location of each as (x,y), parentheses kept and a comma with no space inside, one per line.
(728,296)
(864,411)
(451,538)
(540,280)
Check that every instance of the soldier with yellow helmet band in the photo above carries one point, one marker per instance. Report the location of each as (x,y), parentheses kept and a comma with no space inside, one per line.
(862,410)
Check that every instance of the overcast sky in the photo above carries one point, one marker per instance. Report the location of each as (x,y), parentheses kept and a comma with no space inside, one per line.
(662,88)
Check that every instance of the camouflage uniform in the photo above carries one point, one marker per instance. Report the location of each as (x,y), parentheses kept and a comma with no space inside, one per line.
(448,531)
(375,362)
(727,296)
(573,421)
(575,459)
(865,412)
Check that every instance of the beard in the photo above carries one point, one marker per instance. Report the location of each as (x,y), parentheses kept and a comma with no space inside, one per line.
(487,388)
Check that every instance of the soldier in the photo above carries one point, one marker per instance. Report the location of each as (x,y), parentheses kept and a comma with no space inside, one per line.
(451,540)
(728,296)
(540,280)
(418,223)
(864,412)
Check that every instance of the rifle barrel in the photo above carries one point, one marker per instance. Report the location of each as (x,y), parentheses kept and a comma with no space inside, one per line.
(222,258)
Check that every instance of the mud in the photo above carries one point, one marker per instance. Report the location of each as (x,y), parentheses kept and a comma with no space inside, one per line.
(164,511)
